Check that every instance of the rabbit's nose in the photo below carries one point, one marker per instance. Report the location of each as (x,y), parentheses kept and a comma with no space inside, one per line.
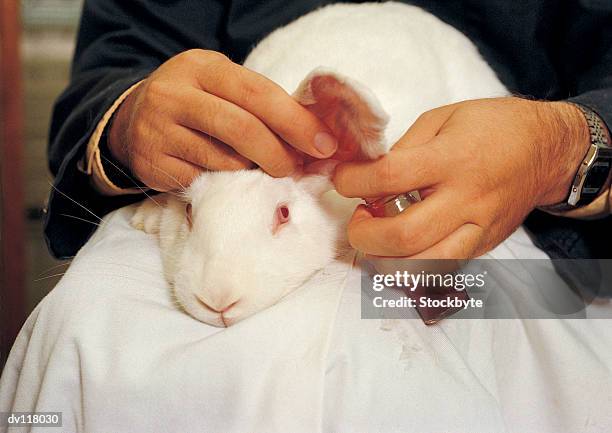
(220,305)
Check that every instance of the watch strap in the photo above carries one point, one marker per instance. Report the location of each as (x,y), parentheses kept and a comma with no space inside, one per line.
(596,164)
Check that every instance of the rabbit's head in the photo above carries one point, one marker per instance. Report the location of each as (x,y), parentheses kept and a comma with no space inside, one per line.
(248,239)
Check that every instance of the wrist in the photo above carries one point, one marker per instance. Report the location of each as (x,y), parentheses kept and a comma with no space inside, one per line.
(117,137)
(567,135)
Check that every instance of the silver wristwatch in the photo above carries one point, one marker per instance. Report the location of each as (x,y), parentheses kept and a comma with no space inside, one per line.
(593,175)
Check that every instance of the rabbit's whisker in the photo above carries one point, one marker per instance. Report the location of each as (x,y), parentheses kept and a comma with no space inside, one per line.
(143,190)
(170,176)
(80,219)
(49,276)
(74,201)
(52,268)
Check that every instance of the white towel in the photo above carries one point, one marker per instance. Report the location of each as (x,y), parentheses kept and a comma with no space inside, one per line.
(109,350)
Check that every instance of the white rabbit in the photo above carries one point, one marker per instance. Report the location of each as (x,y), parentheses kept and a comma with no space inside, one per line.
(237,242)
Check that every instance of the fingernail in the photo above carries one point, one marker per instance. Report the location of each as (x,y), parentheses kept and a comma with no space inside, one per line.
(325,143)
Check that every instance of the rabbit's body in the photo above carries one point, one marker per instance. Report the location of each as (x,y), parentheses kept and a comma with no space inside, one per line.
(251,239)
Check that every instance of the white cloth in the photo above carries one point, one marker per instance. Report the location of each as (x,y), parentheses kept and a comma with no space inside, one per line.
(109,350)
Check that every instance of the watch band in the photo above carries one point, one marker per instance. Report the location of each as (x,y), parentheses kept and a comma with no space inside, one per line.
(593,174)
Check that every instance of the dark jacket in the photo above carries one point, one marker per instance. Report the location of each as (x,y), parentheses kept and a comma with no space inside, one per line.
(549,49)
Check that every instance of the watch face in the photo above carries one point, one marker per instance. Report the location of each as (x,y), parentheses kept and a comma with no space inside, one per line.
(595,179)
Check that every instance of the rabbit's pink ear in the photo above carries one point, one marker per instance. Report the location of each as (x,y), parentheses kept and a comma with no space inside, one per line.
(350,110)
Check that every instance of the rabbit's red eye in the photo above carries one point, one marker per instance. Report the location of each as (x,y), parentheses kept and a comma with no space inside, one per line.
(281,217)
(188,214)
(284,212)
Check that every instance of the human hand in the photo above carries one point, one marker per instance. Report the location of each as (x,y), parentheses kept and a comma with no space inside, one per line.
(201,111)
(481,166)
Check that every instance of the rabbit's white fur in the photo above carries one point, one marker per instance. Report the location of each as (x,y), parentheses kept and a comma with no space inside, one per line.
(232,257)
(230,254)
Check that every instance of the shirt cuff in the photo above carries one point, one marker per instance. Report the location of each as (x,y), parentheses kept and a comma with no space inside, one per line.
(92,161)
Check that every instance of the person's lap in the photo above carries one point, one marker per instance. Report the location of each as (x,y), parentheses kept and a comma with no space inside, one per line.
(109,348)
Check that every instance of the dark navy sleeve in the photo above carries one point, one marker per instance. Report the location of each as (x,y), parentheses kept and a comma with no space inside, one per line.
(119,43)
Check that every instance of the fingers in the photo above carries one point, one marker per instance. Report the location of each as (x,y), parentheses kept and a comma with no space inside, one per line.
(205,151)
(415,162)
(403,169)
(463,243)
(241,130)
(271,104)
(417,228)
